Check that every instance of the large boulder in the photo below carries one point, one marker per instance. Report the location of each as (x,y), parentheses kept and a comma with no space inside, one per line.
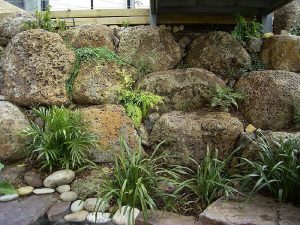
(219,53)
(99,82)
(36,66)
(110,123)
(149,48)
(182,89)
(188,134)
(259,210)
(282,52)
(286,17)
(94,36)
(12,122)
(11,25)
(270,98)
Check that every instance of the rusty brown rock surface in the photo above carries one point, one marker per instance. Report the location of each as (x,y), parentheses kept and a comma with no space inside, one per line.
(93,36)
(188,134)
(110,123)
(270,98)
(282,52)
(36,66)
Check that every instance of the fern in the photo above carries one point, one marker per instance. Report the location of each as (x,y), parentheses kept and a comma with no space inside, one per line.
(225,97)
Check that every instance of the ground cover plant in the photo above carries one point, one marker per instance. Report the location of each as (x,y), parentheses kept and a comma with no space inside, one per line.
(6,188)
(276,171)
(44,21)
(63,141)
(226,97)
(295,30)
(245,30)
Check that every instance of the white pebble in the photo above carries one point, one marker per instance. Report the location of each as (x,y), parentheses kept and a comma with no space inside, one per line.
(6,198)
(77,206)
(41,191)
(101,218)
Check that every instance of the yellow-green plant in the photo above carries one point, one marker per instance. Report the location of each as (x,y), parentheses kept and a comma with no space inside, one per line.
(64,140)
(44,21)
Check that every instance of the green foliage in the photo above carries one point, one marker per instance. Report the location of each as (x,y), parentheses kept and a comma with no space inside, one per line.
(125,24)
(63,141)
(44,21)
(206,183)
(244,30)
(85,54)
(135,180)
(297,114)
(137,103)
(226,97)
(5,187)
(295,29)
(277,171)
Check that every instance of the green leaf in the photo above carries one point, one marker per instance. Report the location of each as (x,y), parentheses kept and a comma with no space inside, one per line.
(7,188)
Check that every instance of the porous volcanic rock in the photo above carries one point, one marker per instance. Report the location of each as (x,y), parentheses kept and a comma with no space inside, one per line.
(149,48)
(12,122)
(188,134)
(36,66)
(11,25)
(99,82)
(282,52)
(270,98)
(182,89)
(110,123)
(93,36)
(219,53)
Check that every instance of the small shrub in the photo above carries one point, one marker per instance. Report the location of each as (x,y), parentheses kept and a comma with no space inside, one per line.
(277,170)
(225,97)
(63,141)
(134,181)
(244,30)
(125,24)
(206,183)
(295,29)
(138,103)
(44,21)
(6,188)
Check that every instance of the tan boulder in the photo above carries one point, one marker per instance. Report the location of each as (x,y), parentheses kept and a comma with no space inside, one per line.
(149,48)
(94,36)
(12,122)
(110,123)
(282,52)
(182,89)
(36,66)
(189,134)
(99,82)
(270,98)
(219,53)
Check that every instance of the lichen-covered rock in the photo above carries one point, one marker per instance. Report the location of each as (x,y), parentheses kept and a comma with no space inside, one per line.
(149,48)
(218,52)
(270,98)
(285,17)
(93,36)
(182,89)
(110,123)
(99,82)
(11,25)
(282,52)
(189,134)
(12,122)
(36,66)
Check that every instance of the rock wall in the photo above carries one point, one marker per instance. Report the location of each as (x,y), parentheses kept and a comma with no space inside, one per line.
(37,64)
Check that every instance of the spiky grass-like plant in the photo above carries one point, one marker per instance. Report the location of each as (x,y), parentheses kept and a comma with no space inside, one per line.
(63,141)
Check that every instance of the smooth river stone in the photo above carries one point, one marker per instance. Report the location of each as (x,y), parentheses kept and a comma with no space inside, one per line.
(77,216)
(6,198)
(63,188)
(25,190)
(77,206)
(68,196)
(58,178)
(42,191)
(33,179)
